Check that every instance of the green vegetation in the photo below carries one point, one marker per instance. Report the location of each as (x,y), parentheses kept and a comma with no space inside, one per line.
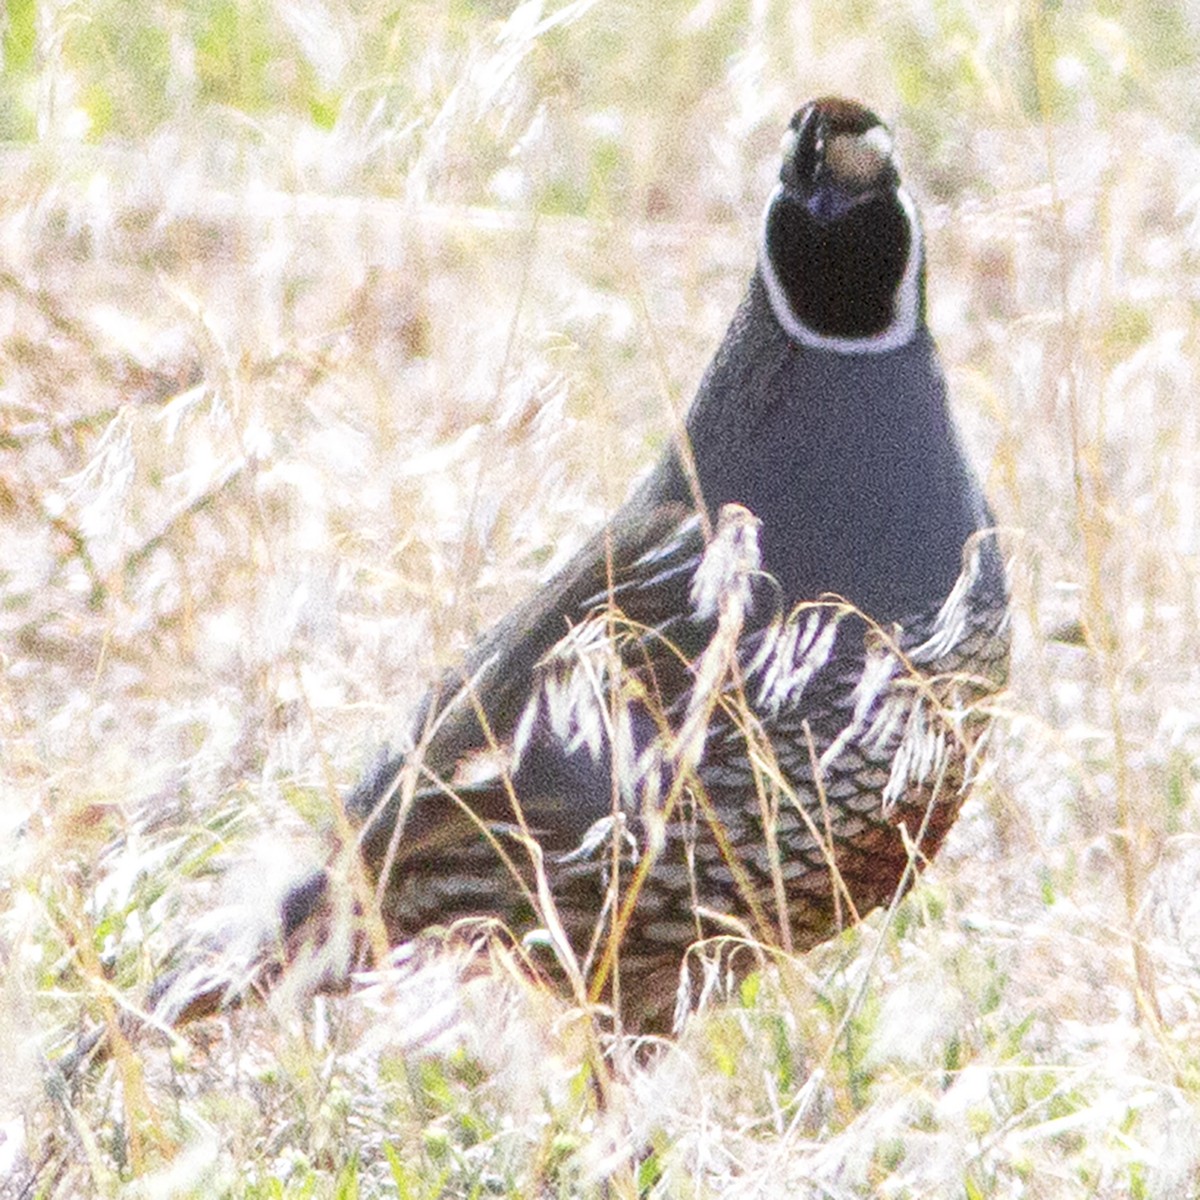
(325,328)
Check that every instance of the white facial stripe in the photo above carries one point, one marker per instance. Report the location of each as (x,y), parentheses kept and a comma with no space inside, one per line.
(879,139)
(904,324)
(855,160)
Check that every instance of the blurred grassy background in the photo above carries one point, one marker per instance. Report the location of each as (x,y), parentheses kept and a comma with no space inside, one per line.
(327,328)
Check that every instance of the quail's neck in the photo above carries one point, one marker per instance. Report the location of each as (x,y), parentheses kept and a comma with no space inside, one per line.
(849,460)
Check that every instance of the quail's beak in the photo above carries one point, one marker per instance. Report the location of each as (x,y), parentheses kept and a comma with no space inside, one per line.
(851,169)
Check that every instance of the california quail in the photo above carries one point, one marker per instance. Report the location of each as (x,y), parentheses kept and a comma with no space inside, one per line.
(758,713)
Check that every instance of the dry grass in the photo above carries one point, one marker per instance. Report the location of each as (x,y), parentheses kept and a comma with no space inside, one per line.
(291,407)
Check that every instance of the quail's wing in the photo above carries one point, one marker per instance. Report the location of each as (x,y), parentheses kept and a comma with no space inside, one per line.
(492,684)
(622,614)
(622,681)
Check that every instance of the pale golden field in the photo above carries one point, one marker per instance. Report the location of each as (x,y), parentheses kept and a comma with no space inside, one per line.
(328,328)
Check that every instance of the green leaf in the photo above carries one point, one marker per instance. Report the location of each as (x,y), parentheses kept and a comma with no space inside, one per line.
(20,35)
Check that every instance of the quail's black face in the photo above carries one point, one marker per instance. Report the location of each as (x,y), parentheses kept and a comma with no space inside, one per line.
(841,246)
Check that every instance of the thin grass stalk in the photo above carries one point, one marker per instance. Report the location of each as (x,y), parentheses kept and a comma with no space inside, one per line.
(1099,625)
